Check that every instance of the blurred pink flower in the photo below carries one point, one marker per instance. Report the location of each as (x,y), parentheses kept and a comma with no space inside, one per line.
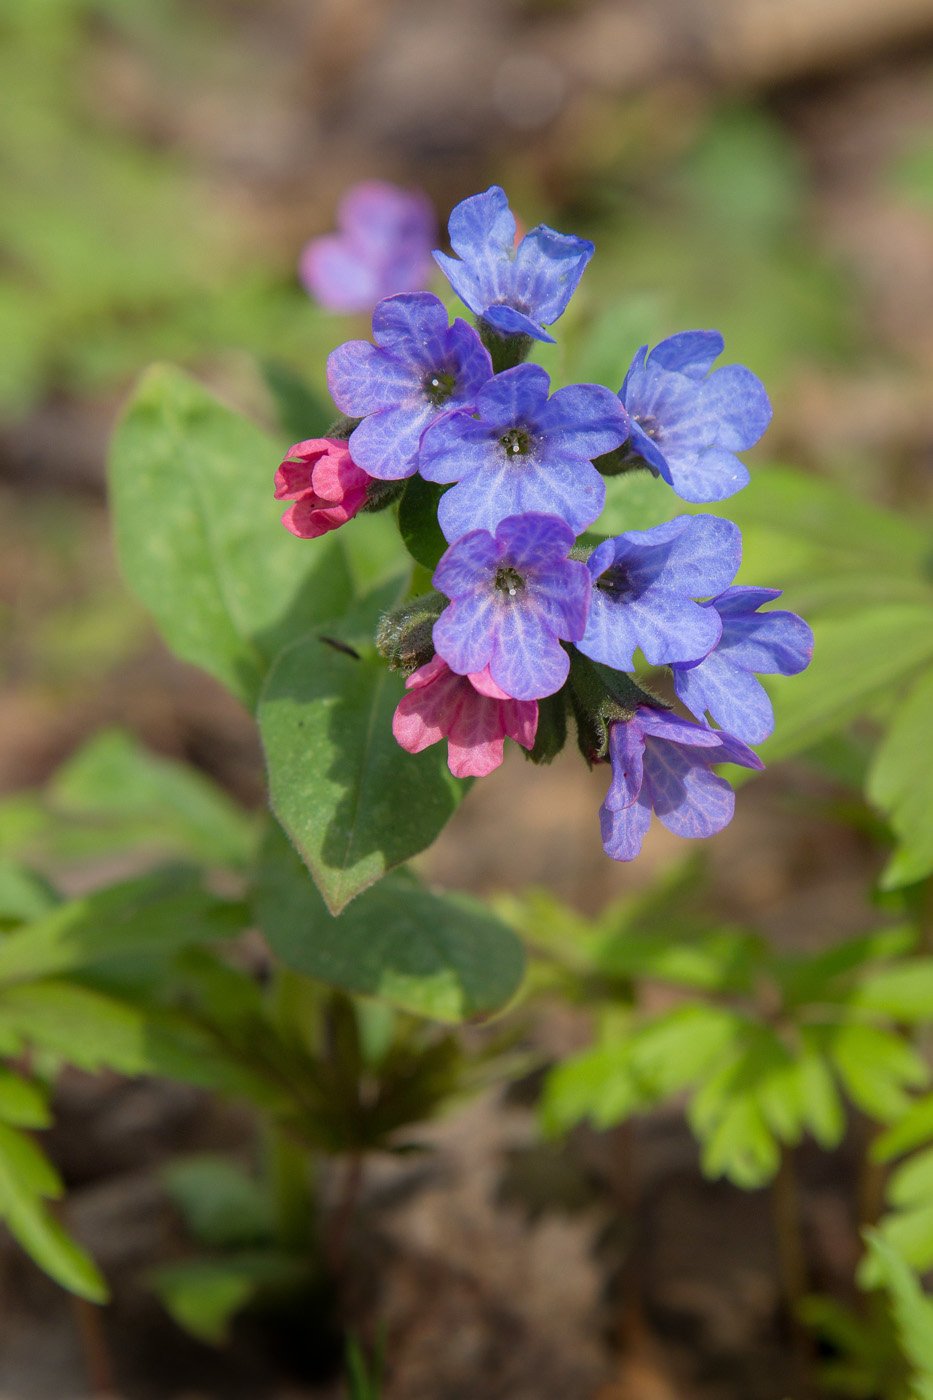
(471,712)
(382,246)
(326,485)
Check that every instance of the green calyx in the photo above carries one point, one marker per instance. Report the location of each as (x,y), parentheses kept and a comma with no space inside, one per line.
(600,698)
(505,351)
(404,636)
(620,460)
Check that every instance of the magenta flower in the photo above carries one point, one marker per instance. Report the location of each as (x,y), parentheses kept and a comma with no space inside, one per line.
(382,246)
(471,712)
(325,484)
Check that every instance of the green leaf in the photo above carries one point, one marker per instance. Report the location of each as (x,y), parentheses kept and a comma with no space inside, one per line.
(913,1312)
(417,522)
(26,1176)
(114,780)
(160,913)
(22,1103)
(441,956)
(599,1085)
(302,413)
(24,896)
(903,992)
(354,803)
(903,787)
(913,1129)
(222,1205)
(199,535)
(876,1066)
(204,1295)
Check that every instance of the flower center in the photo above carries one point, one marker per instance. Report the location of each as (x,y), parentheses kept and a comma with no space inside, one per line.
(509,581)
(615,582)
(649,426)
(439,385)
(516,443)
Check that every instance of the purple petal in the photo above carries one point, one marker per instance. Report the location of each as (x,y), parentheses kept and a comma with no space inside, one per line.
(468,359)
(775,643)
(741,599)
(623,831)
(665,625)
(695,555)
(689,799)
(382,218)
(562,597)
(527,659)
(467,565)
(632,375)
(363,379)
(584,420)
(736,399)
(386,444)
(689,352)
(527,541)
(626,753)
(335,275)
(662,724)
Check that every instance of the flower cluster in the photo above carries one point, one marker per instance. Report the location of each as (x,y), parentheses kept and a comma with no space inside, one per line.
(532,607)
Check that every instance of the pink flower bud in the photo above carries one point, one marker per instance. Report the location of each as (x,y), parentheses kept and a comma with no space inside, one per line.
(326,485)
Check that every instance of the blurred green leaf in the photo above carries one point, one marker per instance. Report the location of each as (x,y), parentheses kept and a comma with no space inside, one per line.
(161,912)
(913,1311)
(24,896)
(222,1205)
(22,1103)
(26,1177)
(228,586)
(204,1295)
(903,787)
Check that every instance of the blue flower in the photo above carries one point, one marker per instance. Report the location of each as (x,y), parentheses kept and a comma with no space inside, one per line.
(419,368)
(688,424)
(523,452)
(773,643)
(664,763)
(513,596)
(644,585)
(518,291)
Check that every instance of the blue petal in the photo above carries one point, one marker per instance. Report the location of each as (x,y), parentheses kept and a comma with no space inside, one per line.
(736,399)
(386,444)
(547,268)
(775,643)
(467,565)
(514,398)
(482,224)
(695,555)
(507,321)
(624,831)
(561,593)
(465,279)
(364,380)
(731,694)
(635,368)
(456,445)
(662,724)
(584,420)
(689,352)
(714,475)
